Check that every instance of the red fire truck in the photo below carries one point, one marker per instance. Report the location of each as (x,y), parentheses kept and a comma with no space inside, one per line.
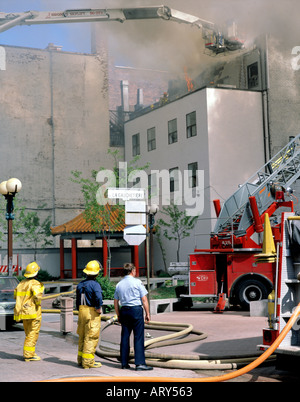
(229,266)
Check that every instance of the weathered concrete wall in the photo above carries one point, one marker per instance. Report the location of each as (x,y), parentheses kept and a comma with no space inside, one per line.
(284,94)
(54,119)
(80,124)
(24,130)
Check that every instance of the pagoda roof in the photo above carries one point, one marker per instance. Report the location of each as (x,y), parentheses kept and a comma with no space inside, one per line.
(79,224)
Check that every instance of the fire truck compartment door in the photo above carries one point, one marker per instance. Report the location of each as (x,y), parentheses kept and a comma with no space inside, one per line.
(203,283)
(206,262)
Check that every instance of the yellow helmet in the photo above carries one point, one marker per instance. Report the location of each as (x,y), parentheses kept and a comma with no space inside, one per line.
(92,268)
(32,270)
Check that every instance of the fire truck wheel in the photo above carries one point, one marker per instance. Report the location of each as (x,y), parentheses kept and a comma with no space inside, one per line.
(250,290)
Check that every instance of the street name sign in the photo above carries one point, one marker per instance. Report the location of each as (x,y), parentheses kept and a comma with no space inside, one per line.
(126,193)
(135,212)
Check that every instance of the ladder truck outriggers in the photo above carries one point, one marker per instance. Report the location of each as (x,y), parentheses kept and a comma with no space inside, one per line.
(229,268)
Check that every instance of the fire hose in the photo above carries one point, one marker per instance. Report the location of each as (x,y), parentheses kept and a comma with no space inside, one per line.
(192,362)
(221,378)
(177,361)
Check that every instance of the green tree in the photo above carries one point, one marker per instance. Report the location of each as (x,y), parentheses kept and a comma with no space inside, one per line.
(177,226)
(158,236)
(33,231)
(98,215)
(108,288)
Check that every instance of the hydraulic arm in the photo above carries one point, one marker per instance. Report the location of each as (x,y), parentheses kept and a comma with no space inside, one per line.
(217,41)
(9,20)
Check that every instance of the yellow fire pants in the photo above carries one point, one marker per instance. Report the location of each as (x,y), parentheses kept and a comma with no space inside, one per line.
(32,329)
(89,324)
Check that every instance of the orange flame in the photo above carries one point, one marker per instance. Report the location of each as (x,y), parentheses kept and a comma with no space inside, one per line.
(189,82)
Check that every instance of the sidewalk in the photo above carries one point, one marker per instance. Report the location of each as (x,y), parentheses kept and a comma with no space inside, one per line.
(231,333)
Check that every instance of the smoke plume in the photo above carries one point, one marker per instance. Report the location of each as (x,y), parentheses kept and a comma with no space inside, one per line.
(171,46)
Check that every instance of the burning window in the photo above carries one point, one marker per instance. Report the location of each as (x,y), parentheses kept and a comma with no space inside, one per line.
(136,144)
(172,131)
(151,139)
(191,129)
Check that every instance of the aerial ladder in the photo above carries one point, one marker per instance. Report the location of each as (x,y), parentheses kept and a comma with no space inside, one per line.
(229,267)
(217,40)
(242,214)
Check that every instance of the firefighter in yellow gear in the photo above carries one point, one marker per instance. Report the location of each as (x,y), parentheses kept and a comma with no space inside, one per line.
(88,302)
(28,295)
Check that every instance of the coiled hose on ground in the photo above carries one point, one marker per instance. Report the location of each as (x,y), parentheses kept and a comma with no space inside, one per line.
(185,334)
(191,362)
(178,361)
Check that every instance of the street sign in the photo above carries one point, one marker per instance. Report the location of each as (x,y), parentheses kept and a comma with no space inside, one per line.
(134,235)
(135,212)
(135,206)
(126,193)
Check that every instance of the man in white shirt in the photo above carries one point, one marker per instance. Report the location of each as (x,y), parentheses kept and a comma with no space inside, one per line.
(132,296)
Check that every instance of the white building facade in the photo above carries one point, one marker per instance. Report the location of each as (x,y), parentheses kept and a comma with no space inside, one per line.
(205,143)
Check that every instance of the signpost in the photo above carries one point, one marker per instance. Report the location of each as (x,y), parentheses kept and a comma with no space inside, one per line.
(135,213)
(135,233)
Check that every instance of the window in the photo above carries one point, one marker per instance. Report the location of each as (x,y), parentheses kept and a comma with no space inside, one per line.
(172,131)
(136,182)
(252,71)
(151,139)
(192,169)
(136,144)
(191,129)
(174,180)
(152,185)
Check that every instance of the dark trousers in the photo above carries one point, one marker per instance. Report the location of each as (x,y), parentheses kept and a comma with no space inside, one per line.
(132,319)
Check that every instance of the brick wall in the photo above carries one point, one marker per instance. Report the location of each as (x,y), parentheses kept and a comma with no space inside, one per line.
(153,83)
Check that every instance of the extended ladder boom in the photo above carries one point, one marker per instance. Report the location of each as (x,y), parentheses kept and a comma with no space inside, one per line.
(9,20)
(283,170)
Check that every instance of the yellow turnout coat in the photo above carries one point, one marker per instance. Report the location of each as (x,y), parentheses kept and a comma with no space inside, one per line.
(28,295)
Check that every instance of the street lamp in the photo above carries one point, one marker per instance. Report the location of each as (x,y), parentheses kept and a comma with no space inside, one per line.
(9,189)
(152,211)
